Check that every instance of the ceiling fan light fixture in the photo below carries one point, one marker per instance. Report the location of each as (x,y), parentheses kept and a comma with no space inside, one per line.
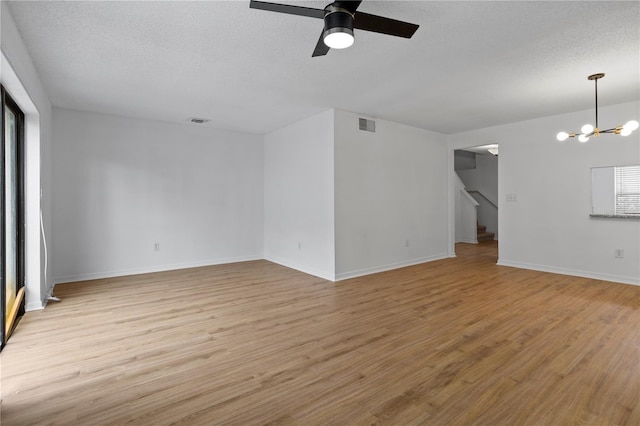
(338,38)
(338,28)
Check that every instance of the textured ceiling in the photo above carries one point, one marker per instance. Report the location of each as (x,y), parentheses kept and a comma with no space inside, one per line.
(469,65)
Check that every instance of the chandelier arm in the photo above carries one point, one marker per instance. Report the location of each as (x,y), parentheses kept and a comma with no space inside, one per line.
(615,130)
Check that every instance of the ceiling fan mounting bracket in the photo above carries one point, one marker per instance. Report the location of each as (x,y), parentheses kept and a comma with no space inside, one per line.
(332,8)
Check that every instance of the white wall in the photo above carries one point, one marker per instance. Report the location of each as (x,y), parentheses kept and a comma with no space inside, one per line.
(466,214)
(391,197)
(484,177)
(121,185)
(20,78)
(603,193)
(298,190)
(548,228)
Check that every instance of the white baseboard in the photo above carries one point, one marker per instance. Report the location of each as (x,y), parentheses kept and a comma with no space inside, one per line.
(389,267)
(151,269)
(287,264)
(34,306)
(573,272)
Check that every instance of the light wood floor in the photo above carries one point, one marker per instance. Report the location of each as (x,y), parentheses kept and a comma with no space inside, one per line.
(453,342)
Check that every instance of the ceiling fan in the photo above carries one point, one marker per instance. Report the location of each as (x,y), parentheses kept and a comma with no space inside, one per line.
(340,18)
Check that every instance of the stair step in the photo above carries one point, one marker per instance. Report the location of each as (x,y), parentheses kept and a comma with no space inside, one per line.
(485,236)
(482,228)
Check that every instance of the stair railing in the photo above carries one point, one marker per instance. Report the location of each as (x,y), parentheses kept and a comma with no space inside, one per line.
(473,191)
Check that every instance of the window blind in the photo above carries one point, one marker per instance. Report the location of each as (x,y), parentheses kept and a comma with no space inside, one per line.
(627,190)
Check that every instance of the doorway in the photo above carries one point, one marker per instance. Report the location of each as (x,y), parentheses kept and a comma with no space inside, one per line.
(475,171)
(11,215)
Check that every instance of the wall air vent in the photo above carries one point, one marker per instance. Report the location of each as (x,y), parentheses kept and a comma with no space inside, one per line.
(367,125)
(198,120)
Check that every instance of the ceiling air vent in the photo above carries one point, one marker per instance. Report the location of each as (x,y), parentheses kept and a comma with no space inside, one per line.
(367,125)
(198,120)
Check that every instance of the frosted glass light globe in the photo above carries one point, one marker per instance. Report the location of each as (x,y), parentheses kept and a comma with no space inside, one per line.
(562,136)
(338,40)
(583,138)
(587,128)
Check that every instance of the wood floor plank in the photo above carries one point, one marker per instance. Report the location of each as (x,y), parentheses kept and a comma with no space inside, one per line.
(459,341)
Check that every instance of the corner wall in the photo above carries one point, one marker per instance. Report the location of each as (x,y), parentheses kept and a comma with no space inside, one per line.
(391,196)
(122,184)
(298,195)
(548,227)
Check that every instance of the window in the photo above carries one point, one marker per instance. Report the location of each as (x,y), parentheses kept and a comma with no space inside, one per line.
(11,214)
(627,190)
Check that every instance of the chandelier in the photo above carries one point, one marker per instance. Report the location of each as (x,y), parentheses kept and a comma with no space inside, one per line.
(588,130)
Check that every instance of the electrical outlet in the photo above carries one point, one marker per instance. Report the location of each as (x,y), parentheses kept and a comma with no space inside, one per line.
(156,246)
(299,245)
(618,253)
(406,243)
(512,198)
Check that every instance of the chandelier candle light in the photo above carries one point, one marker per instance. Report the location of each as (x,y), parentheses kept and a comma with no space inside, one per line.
(588,130)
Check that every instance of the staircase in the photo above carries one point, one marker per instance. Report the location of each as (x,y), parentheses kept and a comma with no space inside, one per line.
(483,235)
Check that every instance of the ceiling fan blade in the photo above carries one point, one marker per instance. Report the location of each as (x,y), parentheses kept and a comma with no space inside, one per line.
(321,48)
(380,24)
(351,6)
(287,8)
